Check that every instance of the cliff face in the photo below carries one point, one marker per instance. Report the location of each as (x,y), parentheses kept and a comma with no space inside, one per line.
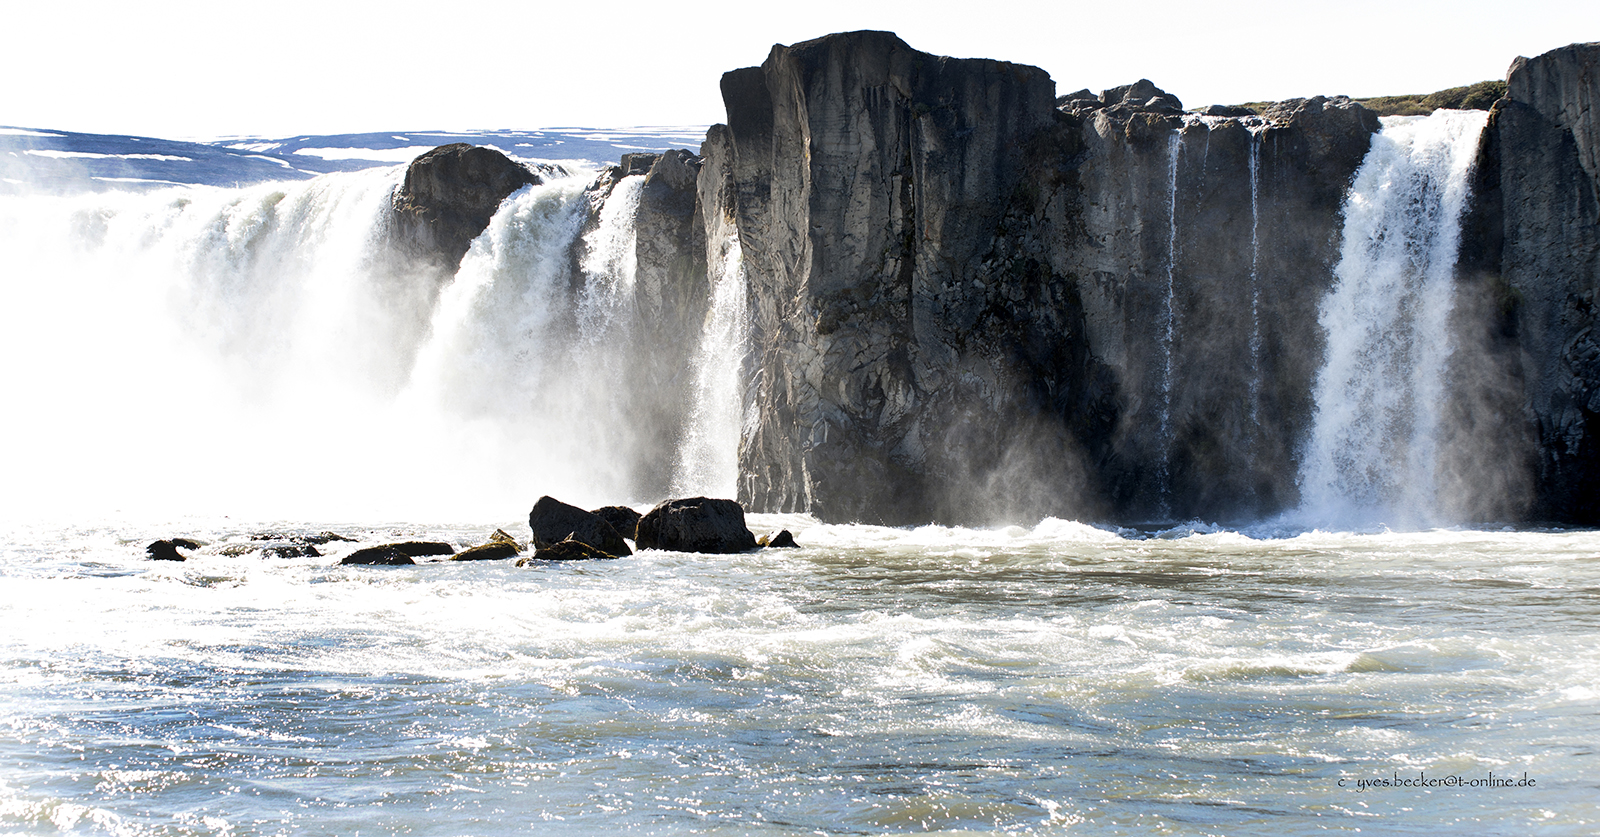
(971,305)
(1539,230)
(971,301)
(1201,249)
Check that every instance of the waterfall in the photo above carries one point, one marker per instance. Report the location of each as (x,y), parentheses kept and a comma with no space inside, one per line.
(1169,318)
(610,264)
(1370,457)
(262,351)
(708,461)
(1255,279)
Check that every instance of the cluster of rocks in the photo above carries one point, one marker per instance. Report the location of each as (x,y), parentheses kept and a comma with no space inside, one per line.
(560,532)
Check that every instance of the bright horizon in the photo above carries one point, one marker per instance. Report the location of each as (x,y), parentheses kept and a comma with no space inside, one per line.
(190,69)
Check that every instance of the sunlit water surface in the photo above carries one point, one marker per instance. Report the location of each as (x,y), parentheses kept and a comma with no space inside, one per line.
(1063,679)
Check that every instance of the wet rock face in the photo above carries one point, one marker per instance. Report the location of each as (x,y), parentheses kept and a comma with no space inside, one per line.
(961,292)
(1200,250)
(1535,241)
(448,197)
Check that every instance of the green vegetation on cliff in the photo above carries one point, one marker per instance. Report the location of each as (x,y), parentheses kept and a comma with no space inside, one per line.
(1478,96)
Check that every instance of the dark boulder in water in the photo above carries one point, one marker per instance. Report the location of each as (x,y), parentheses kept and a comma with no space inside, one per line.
(448,197)
(696,524)
(493,551)
(318,538)
(397,553)
(783,539)
(167,550)
(292,550)
(622,519)
(567,550)
(553,521)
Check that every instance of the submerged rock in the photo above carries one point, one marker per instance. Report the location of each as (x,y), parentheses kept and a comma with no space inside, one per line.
(398,553)
(782,539)
(380,555)
(696,524)
(566,550)
(277,550)
(293,550)
(496,551)
(553,521)
(167,550)
(289,537)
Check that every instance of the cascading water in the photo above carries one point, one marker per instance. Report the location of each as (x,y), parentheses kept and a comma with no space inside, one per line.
(262,351)
(1370,457)
(1255,279)
(1169,318)
(708,462)
(611,263)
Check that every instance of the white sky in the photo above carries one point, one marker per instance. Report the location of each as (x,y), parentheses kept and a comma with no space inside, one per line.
(209,68)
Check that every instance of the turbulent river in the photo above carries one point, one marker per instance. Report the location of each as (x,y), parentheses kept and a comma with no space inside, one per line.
(1053,680)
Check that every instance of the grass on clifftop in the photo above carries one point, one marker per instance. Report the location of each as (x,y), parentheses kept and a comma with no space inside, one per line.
(1478,96)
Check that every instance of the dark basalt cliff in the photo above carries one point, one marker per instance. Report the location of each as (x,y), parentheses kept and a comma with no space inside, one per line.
(1534,249)
(970,304)
(971,300)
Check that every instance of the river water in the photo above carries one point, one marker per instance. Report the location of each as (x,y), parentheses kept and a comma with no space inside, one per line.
(1054,680)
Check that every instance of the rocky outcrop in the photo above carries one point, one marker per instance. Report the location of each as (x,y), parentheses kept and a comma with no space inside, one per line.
(1533,251)
(696,524)
(969,304)
(447,199)
(553,521)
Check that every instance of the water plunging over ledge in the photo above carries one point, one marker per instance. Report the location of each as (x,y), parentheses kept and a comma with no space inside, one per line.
(1371,452)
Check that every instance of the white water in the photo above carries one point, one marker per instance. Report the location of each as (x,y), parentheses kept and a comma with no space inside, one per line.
(219,351)
(1371,453)
(708,463)
(1058,680)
